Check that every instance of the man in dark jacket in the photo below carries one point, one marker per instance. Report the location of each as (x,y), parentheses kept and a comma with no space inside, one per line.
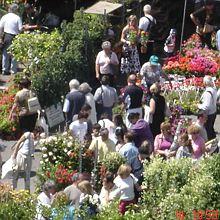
(73,102)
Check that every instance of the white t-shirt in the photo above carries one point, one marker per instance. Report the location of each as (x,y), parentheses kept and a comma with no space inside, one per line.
(11,24)
(28,145)
(43,200)
(79,130)
(125,187)
(144,22)
(218,40)
(102,60)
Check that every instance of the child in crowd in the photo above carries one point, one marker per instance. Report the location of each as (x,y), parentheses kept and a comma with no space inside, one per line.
(61,207)
(125,183)
(185,149)
(119,134)
(108,188)
(95,130)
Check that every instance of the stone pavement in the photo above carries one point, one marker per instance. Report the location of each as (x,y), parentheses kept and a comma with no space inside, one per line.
(36,161)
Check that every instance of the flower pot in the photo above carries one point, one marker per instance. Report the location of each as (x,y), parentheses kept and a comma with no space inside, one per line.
(143,49)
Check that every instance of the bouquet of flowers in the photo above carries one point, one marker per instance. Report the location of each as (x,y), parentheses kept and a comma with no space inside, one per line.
(132,37)
(144,39)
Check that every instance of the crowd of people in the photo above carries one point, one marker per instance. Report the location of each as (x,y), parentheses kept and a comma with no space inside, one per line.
(141,131)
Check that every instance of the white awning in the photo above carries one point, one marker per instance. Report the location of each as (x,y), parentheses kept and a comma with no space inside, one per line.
(103,7)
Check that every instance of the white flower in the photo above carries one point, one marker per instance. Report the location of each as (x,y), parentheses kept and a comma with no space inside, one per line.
(65,150)
(42,141)
(41,162)
(50,153)
(69,144)
(47,160)
(69,152)
(44,149)
(70,138)
(54,150)
(44,156)
(54,158)
(64,133)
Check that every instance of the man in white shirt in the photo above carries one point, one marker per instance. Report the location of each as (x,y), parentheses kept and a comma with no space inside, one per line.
(209,106)
(145,24)
(106,95)
(10,26)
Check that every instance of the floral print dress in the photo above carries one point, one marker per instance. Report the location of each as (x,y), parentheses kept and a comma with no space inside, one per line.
(130,62)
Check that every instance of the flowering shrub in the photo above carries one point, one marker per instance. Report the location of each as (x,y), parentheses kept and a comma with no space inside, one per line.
(7,127)
(61,159)
(111,163)
(194,60)
(18,205)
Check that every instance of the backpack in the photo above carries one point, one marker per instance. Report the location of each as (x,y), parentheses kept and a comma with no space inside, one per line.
(151,24)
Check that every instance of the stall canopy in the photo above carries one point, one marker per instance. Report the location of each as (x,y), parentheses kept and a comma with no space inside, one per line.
(102,8)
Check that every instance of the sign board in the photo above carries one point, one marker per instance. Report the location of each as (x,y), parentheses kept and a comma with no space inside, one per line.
(55,115)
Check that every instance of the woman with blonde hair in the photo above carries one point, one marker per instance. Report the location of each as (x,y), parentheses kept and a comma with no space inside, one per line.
(198,143)
(158,109)
(130,62)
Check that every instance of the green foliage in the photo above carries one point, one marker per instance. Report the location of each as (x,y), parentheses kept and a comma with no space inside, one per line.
(16,205)
(34,49)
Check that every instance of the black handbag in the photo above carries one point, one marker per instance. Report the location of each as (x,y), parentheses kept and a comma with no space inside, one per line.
(99,105)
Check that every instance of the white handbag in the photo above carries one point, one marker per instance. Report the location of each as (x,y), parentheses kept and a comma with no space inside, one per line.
(7,169)
(148,117)
(33,105)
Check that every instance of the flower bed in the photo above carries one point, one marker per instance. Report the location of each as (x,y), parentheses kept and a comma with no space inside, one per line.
(194,60)
(61,159)
(8,129)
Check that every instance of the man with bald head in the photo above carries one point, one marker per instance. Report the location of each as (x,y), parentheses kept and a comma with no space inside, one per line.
(132,98)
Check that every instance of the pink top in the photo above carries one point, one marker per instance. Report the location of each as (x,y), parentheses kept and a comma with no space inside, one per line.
(197,146)
(162,143)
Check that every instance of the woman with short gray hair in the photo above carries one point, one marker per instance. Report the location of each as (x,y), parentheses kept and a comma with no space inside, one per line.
(86,90)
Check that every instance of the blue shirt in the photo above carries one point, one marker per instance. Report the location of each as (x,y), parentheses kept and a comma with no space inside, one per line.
(130,152)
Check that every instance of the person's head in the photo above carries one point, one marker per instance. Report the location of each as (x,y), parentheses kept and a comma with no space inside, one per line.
(147,9)
(28,8)
(104,133)
(96,129)
(129,137)
(38,131)
(74,84)
(209,4)
(104,116)
(133,118)
(86,109)
(107,181)
(60,199)
(208,81)
(105,80)
(25,83)
(193,132)
(155,89)
(13,8)
(49,187)
(83,116)
(85,187)
(106,46)
(144,151)
(154,60)
(202,117)
(124,171)
(132,21)
(165,128)
(132,79)
(173,32)
(85,88)
(119,134)
(185,141)
(118,120)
